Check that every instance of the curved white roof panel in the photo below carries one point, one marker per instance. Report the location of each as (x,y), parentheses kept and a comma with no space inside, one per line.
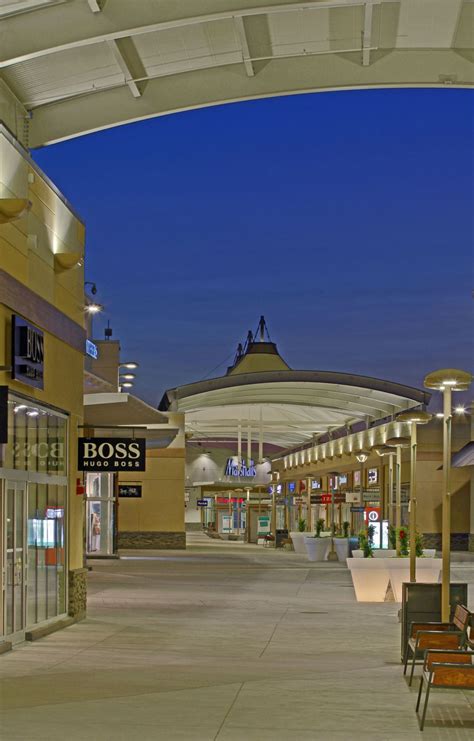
(69,67)
(287,407)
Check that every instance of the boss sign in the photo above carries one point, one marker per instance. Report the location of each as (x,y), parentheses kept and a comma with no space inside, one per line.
(111,454)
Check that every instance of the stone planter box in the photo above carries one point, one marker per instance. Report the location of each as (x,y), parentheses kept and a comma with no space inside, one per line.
(341,546)
(427,571)
(370,578)
(297,538)
(317,549)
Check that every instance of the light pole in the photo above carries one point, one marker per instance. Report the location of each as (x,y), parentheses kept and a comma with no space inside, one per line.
(385,452)
(447,380)
(414,418)
(398,443)
(275,479)
(361,456)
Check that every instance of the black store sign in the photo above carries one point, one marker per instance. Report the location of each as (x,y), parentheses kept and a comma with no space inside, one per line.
(111,454)
(130,492)
(3,414)
(27,353)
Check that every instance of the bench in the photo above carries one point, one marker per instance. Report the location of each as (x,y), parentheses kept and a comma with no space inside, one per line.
(423,636)
(442,669)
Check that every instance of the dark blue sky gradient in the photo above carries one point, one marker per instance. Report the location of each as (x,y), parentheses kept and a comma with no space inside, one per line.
(345,218)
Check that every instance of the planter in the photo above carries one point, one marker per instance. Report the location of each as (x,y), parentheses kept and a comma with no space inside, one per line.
(297,539)
(358,553)
(341,546)
(317,549)
(427,571)
(370,578)
(385,553)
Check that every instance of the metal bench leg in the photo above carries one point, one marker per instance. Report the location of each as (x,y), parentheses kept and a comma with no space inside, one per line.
(405,659)
(425,706)
(412,668)
(419,694)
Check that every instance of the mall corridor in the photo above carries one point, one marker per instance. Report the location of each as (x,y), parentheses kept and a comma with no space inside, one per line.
(226,642)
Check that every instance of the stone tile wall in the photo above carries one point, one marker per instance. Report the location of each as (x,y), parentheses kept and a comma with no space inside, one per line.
(152,540)
(459,541)
(77,593)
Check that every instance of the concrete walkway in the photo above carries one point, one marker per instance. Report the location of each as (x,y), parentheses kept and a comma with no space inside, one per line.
(223,642)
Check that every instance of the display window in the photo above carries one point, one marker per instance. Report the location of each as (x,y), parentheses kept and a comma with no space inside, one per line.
(100,514)
(33,486)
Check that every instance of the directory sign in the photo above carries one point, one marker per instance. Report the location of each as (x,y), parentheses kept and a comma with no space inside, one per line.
(130,491)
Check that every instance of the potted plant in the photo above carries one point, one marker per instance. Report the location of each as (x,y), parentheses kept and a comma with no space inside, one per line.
(427,569)
(298,536)
(369,575)
(317,547)
(341,542)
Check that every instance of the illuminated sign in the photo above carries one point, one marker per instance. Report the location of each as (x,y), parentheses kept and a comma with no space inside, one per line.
(356,478)
(109,454)
(342,479)
(92,350)
(237,470)
(291,486)
(315,484)
(373,475)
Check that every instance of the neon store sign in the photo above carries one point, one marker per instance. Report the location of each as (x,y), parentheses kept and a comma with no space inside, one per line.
(238,470)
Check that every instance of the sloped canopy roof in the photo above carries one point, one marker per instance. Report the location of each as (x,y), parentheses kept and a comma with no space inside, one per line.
(287,407)
(69,67)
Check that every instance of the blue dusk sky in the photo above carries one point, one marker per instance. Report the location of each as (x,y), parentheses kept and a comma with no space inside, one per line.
(345,218)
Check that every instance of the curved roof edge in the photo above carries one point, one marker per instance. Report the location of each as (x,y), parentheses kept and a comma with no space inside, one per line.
(302,376)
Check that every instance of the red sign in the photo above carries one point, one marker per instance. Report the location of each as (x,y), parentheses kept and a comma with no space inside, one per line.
(326,498)
(225,500)
(372,515)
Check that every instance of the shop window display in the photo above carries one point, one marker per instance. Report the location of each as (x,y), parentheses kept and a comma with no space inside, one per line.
(33,466)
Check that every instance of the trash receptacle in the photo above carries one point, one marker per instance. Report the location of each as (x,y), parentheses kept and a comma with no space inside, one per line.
(281,535)
(421,602)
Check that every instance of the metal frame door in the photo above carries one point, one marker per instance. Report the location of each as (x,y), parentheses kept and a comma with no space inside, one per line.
(15,553)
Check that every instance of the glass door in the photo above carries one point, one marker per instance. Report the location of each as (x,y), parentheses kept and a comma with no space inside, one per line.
(100,514)
(15,557)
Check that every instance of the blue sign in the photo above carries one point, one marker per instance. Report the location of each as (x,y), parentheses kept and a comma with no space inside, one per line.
(92,350)
(202,502)
(291,486)
(357,509)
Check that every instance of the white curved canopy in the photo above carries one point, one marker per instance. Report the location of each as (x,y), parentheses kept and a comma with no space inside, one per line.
(69,67)
(289,407)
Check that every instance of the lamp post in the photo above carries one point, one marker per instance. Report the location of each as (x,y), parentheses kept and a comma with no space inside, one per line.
(385,452)
(414,418)
(125,378)
(361,456)
(447,380)
(398,443)
(275,479)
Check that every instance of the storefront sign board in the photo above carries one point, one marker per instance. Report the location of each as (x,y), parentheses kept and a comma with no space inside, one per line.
(27,353)
(127,491)
(3,414)
(202,503)
(111,454)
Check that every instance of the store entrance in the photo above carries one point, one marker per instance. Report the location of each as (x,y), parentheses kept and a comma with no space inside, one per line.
(14,597)
(100,514)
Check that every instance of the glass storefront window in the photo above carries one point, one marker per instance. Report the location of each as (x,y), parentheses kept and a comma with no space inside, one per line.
(100,514)
(46,586)
(37,439)
(34,466)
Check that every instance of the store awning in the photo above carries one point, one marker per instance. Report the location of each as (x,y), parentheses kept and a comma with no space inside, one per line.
(117,408)
(464,457)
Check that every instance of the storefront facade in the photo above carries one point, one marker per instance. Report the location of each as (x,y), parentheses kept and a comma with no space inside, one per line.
(342,489)
(42,341)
